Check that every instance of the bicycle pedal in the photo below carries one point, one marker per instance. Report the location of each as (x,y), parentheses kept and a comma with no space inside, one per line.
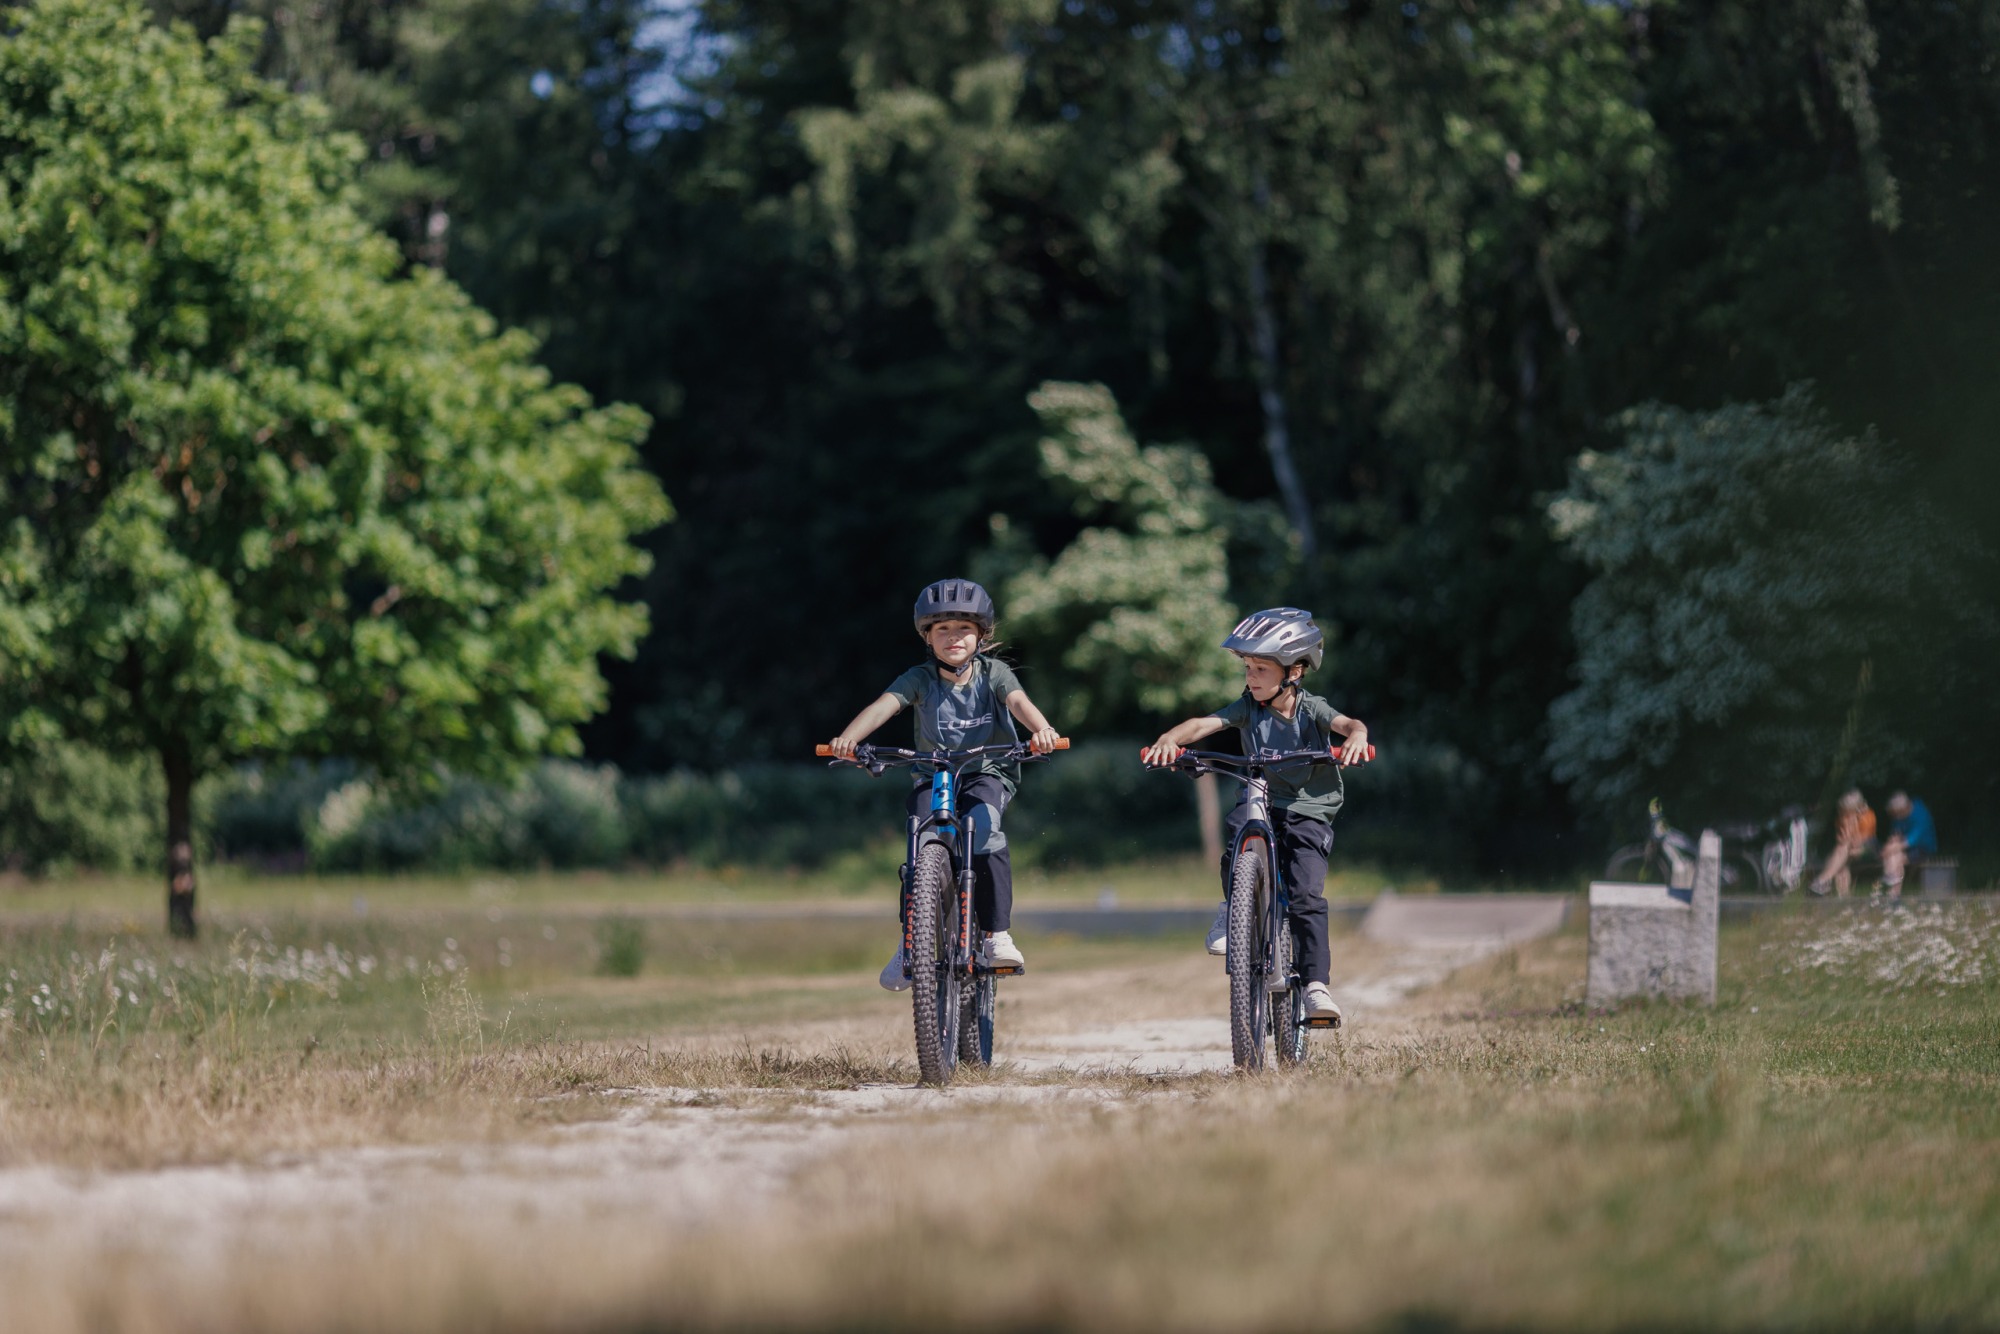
(1323,1021)
(1003,969)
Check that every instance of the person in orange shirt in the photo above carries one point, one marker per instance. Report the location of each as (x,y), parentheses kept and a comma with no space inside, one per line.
(1854,836)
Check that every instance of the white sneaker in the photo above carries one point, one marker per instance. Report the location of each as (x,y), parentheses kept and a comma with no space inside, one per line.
(895,974)
(1218,930)
(1001,951)
(1320,1003)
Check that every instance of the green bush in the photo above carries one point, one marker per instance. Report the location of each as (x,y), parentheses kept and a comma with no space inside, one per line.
(265,812)
(561,815)
(64,805)
(1089,806)
(621,946)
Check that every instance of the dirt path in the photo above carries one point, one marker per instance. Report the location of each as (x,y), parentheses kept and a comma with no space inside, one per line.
(673,1158)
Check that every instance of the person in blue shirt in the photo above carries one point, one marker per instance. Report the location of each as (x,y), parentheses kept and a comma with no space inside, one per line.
(1911,834)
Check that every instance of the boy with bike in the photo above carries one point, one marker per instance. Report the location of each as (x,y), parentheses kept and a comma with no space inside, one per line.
(963,698)
(1275,713)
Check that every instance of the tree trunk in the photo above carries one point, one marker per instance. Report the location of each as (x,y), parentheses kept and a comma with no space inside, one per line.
(1277,430)
(179,767)
(1208,809)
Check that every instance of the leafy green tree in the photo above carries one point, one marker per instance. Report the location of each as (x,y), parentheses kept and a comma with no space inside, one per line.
(1125,620)
(1749,567)
(260,495)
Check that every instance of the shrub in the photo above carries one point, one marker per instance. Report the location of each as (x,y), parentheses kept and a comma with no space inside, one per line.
(621,946)
(63,805)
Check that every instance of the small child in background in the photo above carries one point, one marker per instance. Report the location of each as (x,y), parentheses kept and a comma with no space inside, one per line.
(1275,713)
(964,698)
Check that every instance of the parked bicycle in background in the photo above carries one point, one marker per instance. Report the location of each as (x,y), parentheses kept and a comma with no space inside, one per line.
(1767,856)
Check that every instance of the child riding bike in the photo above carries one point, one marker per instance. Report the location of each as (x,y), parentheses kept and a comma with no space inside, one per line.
(962,698)
(1274,713)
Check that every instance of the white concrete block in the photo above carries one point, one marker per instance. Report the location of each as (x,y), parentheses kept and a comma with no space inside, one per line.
(1653,940)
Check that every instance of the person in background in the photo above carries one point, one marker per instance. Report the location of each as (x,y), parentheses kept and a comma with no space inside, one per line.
(1853,836)
(1911,834)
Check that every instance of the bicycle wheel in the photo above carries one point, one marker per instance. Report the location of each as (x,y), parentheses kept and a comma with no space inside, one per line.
(1638,864)
(1249,1002)
(1750,876)
(934,983)
(1288,1007)
(975,1021)
(1780,877)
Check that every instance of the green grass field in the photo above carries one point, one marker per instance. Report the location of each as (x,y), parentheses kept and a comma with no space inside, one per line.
(140,901)
(1822,1149)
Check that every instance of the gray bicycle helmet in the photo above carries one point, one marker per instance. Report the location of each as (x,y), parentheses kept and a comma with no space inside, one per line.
(1286,634)
(955,600)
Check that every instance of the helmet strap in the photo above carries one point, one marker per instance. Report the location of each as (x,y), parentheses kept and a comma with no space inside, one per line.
(1291,683)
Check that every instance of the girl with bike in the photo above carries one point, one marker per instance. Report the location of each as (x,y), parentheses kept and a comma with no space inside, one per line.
(963,698)
(1276,714)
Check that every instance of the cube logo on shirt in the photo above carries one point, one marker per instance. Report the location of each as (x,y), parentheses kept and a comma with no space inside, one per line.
(953,731)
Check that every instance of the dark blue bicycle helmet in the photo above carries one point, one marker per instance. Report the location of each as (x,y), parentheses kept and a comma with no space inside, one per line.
(955,600)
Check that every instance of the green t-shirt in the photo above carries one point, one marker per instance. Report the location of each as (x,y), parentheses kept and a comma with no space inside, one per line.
(960,717)
(1311,790)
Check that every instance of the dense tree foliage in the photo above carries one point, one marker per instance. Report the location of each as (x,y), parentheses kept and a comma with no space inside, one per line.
(1122,624)
(1749,568)
(260,495)
(1392,268)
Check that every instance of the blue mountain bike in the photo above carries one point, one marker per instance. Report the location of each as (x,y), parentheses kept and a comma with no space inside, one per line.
(951,990)
(1267,996)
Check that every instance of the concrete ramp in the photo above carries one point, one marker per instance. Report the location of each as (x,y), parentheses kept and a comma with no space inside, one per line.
(1492,920)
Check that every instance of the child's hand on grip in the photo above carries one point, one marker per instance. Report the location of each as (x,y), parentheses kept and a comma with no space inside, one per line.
(1356,750)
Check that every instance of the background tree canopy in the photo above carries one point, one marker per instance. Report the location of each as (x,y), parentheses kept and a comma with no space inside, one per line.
(1391,269)
(263,496)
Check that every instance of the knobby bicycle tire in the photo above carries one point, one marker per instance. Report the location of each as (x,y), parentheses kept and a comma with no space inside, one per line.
(1249,1001)
(975,1021)
(934,989)
(1288,1007)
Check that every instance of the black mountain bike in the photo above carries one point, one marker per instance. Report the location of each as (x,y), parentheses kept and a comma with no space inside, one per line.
(951,990)
(1266,993)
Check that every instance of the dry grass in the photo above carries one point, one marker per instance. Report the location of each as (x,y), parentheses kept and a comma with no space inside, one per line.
(1821,1150)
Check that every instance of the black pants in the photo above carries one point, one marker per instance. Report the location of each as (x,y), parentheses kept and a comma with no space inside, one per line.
(992,871)
(1303,848)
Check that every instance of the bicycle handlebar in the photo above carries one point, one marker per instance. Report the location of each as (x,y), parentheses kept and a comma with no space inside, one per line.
(864,753)
(1264,759)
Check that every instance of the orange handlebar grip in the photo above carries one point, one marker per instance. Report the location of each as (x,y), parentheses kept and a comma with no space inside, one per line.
(822,750)
(1062,743)
(1371,752)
